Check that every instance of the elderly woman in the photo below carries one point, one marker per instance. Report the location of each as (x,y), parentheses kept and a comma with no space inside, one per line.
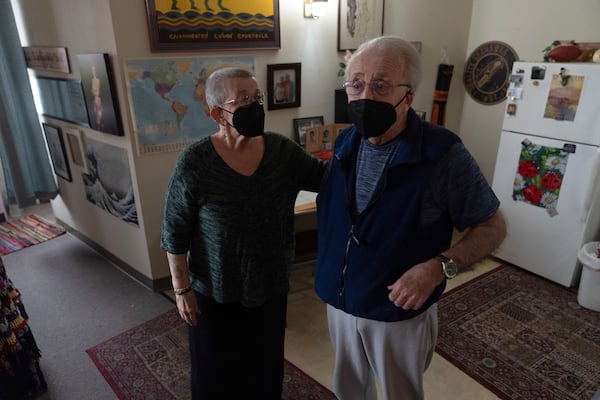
(20,373)
(228,232)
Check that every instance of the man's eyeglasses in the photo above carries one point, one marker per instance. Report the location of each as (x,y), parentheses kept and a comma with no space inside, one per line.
(245,100)
(381,88)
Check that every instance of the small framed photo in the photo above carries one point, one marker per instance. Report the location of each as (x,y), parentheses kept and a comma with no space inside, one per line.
(76,148)
(338,128)
(99,92)
(301,124)
(327,134)
(283,85)
(313,139)
(56,147)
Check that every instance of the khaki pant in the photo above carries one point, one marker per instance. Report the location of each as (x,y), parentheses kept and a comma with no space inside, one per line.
(395,353)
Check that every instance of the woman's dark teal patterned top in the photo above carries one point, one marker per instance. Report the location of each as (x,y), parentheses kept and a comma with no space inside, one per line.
(238,230)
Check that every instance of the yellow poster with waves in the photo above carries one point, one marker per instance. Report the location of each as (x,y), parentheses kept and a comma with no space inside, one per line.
(180,25)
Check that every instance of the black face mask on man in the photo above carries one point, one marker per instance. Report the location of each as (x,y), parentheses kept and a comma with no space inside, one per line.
(249,121)
(372,118)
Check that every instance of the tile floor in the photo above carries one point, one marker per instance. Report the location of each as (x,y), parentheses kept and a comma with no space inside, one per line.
(308,345)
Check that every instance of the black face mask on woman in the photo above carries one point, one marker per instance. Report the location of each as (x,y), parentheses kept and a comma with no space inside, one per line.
(249,121)
(372,118)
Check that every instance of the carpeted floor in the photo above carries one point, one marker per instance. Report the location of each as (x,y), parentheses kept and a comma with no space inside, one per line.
(521,336)
(26,231)
(152,361)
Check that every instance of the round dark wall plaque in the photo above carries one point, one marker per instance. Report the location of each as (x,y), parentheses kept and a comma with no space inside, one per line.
(487,72)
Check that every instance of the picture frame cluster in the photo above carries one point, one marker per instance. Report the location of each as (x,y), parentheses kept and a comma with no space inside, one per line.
(322,138)
(312,134)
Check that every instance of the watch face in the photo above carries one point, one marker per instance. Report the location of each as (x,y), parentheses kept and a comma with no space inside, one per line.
(450,269)
(487,72)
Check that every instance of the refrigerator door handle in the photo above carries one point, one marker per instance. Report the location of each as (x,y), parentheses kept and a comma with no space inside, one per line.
(591,188)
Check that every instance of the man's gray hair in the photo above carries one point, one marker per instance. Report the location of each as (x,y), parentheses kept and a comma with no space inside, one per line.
(216,94)
(400,47)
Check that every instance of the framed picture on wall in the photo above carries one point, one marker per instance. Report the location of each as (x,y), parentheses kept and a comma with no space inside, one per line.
(99,92)
(302,124)
(359,21)
(63,99)
(164,126)
(313,139)
(54,59)
(56,148)
(208,25)
(76,147)
(283,85)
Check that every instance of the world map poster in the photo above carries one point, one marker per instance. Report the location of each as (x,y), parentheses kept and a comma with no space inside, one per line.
(167,99)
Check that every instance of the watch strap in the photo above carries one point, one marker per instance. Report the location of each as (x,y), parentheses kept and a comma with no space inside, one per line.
(443,258)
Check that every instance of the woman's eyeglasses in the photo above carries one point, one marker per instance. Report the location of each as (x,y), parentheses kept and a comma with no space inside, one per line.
(245,100)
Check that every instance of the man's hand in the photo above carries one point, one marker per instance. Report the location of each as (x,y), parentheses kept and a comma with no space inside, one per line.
(416,285)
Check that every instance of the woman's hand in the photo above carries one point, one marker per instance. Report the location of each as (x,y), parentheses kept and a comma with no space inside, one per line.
(188,307)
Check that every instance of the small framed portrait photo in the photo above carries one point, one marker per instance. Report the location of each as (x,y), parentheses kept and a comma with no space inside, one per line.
(283,85)
(302,124)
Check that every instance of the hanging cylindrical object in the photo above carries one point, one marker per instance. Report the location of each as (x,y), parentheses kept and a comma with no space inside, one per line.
(440,95)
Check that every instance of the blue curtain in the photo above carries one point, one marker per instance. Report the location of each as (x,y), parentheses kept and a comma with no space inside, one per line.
(27,170)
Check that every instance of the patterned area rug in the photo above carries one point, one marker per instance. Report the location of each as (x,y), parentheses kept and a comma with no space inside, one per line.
(151,361)
(26,231)
(521,336)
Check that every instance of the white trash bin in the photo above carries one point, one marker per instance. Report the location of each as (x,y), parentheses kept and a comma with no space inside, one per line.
(589,285)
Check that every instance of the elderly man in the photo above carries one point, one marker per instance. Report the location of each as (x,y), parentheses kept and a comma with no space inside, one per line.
(395,189)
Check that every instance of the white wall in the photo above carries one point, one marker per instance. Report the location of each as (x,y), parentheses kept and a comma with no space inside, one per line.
(314,44)
(528,27)
(119,28)
(85,26)
(301,41)
(439,25)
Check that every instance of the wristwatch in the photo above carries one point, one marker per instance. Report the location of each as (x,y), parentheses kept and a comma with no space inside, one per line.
(448,266)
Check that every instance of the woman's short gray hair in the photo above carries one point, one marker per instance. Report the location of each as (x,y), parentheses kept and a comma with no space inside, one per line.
(215,93)
(401,48)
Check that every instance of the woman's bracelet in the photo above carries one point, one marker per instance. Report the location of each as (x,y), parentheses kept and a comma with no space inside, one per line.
(182,291)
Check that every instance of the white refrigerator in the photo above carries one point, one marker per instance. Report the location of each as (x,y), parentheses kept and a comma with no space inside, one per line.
(548,167)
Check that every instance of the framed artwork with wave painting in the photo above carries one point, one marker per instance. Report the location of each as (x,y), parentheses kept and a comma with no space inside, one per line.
(190,25)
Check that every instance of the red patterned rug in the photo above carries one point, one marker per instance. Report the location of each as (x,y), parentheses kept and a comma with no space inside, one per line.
(151,361)
(521,336)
